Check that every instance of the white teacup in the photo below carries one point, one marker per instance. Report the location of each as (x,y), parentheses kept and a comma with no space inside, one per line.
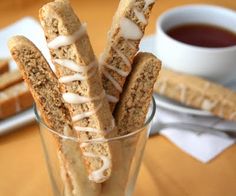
(218,64)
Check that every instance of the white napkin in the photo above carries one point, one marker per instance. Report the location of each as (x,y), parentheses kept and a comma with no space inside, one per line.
(203,147)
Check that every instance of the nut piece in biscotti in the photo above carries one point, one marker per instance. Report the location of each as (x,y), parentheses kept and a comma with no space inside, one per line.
(197,92)
(80,84)
(127,29)
(4,66)
(130,115)
(44,87)
(10,78)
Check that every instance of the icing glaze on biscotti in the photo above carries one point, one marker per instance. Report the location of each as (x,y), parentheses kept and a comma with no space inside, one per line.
(198,93)
(44,87)
(77,71)
(124,36)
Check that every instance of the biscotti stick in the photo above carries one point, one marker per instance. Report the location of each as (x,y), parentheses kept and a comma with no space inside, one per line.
(10,78)
(130,115)
(131,111)
(197,92)
(4,66)
(127,29)
(80,84)
(45,89)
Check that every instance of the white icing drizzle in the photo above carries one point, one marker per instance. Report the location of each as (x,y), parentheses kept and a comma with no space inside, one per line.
(94,130)
(113,124)
(182,89)
(74,66)
(74,98)
(66,130)
(75,77)
(98,175)
(83,145)
(140,16)
(83,115)
(162,86)
(117,70)
(147,3)
(113,81)
(204,89)
(130,30)
(222,104)
(87,129)
(65,40)
(131,45)
(124,58)
(112,99)
(208,105)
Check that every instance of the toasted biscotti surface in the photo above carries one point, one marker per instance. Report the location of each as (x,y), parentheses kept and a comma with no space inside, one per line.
(127,29)
(198,93)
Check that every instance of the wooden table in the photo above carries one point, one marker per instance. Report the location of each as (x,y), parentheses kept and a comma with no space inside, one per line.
(166,170)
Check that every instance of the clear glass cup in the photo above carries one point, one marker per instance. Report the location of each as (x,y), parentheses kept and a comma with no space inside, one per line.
(67,177)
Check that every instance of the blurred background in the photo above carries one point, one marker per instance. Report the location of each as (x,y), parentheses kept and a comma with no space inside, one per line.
(88,10)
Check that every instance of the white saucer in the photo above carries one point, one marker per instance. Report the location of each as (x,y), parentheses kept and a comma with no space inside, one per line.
(147,45)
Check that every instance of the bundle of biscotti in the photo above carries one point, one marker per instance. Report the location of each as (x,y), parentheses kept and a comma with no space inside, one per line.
(14,95)
(78,97)
(198,93)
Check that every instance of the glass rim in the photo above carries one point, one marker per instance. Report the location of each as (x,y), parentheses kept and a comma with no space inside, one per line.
(98,140)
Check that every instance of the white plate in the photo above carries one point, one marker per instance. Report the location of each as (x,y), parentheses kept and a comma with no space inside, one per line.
(147,45)
(30,28)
